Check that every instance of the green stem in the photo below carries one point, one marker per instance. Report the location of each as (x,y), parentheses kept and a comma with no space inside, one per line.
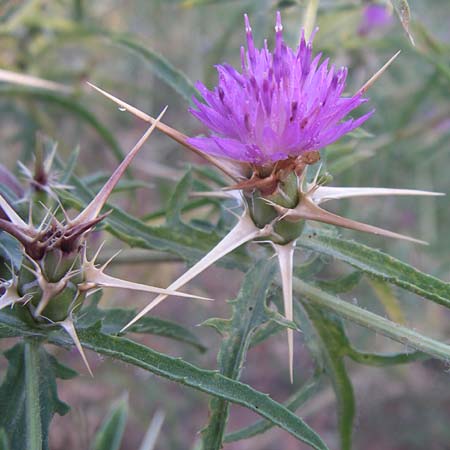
(293,403)
(33,409)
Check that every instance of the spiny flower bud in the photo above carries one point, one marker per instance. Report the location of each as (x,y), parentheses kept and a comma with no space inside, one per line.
(55,275)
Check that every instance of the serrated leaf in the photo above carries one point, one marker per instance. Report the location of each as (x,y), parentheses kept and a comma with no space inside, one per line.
(249,312)
(114,319)
(40,370)
(17,322)
(381,266)
(333,345)
(272,327)
(11,325)
(109,436)
(308,389)
(222,326)
(190,245)
(280,320)
(206,381)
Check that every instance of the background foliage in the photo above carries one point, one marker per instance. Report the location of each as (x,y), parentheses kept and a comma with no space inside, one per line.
(118,45)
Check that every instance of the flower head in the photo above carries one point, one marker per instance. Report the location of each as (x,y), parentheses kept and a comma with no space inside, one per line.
(283,104)
(374,16)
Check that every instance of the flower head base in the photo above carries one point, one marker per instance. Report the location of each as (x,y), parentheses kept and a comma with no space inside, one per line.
(283,104)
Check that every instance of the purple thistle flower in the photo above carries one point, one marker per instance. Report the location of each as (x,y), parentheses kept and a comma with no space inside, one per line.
(374,16)
(281,106)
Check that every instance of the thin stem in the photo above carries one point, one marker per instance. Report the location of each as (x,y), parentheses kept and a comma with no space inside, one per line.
(33,408)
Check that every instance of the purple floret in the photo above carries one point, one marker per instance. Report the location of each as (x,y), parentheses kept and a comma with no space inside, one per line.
(283,104)
(374,16)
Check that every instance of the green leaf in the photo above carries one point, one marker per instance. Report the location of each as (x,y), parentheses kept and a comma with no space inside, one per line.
(178,200)
(190,245)
(70,166)
(293,403)
(277,323)
(158,65)
(70,105)
(374,322)
(248,313)
(114,319)
(29,395)
(109,436)
(10,251)
(381,266)
(162,68)
(342,284)
(206,381)
(385,360)
(311,267)
(265,332)
(333,346)
(11,325)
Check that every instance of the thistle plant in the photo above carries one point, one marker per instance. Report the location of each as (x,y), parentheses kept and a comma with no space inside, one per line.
(267,127)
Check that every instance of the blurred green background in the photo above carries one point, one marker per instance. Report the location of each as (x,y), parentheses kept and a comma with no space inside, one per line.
(118,46)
